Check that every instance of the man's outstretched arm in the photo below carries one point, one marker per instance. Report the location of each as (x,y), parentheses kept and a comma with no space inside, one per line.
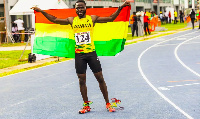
(53,18)
(113,16)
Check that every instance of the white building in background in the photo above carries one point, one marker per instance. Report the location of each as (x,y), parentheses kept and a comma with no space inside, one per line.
(15,9)
(137,5)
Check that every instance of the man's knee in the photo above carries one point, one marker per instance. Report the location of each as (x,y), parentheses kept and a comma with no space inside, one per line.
(82,82)
(82,79)
(99,77)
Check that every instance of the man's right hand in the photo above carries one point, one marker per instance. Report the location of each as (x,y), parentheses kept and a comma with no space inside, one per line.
(36,9)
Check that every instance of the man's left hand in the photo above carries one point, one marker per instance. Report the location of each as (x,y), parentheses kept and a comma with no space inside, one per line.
(126,3)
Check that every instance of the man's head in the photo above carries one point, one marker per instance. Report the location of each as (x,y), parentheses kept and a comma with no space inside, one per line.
(134,13)
(80,7)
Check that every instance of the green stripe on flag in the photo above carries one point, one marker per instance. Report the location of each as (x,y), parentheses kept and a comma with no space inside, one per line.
(54,46)
(109,48)
(65,47)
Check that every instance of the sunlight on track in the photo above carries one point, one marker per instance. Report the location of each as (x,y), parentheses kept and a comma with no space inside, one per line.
(176,55)
(151,85)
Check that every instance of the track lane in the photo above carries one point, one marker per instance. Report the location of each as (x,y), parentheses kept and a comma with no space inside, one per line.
(164,68)
(53,92)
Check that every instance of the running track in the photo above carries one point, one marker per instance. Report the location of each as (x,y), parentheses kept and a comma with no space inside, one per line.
(155,79)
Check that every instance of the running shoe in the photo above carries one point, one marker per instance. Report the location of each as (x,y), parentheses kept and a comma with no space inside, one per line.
(110,108)
(86,107)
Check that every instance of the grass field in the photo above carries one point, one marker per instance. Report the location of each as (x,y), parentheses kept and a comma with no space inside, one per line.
(169,27)
(172,26)
(13,44)
(11,58)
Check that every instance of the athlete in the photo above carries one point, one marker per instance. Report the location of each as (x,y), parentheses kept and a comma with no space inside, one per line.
(83,26)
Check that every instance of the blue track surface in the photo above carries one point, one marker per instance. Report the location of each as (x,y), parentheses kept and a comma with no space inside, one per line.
(155,79)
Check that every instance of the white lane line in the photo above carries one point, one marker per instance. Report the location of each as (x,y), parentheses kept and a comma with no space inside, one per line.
(177,57)
(152,86)
(18,103)
(66,85)
(176,44)
(167,87)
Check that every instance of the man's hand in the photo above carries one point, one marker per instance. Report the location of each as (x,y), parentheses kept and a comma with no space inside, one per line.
(126,3)
(36,9)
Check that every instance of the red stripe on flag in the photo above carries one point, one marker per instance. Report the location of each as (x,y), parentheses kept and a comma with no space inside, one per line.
(65,13)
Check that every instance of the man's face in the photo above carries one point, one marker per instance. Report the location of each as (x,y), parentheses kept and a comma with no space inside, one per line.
(80,9)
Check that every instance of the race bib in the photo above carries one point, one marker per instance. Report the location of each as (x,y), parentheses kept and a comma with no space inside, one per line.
(82,38)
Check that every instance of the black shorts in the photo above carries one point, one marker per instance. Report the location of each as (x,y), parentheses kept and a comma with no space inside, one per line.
(81,60)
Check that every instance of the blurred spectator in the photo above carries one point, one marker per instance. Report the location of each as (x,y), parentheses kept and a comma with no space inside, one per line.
(169,17)
(161,17)
(166,17)
(135,25)
(131,22)
(140,23)
(181,14)
(199,19)
(20,24)
(15,30)
(192,16)
(175,17)
(146,24)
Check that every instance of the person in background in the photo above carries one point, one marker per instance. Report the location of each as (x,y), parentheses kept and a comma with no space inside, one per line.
(169,17)
(15,30)
(181,16)
(161,17)
(166,17)
(131,22)
(175,17)
(20,25)
(199,19)
(146,24)
(192,16)
(135,25)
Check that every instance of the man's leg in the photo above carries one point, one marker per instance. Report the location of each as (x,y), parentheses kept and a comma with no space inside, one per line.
(148,29)
(83,87)
(193,23)
(133,32)
(176,19)
(102,85)
(95,66)
(136,30)
(132,29)
(199,23)
(81,66)
(145,30)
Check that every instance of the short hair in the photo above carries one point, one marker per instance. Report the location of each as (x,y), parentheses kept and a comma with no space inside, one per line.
(80,1)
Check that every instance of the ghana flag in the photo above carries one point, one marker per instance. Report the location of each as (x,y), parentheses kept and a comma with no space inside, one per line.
(58,40)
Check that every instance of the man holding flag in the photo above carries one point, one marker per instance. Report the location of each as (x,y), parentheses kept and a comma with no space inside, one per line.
(83,28)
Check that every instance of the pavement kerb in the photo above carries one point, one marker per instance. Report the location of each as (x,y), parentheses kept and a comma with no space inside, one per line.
(27,65)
